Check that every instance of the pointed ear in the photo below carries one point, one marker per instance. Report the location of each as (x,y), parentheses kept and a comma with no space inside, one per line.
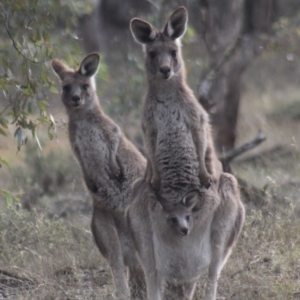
(177,23)
(192,200)
(89,65)
(142,31)
(60,69)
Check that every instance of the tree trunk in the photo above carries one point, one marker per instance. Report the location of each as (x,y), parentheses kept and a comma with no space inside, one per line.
(231,31)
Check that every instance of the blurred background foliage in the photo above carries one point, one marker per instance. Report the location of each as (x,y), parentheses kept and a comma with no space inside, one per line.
(32,33)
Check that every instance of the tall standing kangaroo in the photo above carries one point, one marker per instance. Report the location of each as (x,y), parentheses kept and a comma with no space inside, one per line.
(177,242)
(109,163)
(179,232)
(176,130)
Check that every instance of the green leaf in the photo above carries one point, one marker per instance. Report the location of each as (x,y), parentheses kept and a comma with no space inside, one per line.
(21,137)
(3,161)
(8,197)
(42,105)
(4,122)
(53,89)
(38,141)
(45,36)
(50,134)
(2,132)
(29,107)
(53,122)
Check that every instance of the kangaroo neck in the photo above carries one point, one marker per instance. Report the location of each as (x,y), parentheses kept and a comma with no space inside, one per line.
(86,110)
(163,88)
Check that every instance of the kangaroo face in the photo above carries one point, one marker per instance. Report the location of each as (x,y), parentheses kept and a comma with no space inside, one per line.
(180,220)
(163,56)
(77,91)
(179,217)
(78,87)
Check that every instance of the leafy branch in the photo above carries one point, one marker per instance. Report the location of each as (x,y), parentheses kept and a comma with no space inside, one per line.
(12,39)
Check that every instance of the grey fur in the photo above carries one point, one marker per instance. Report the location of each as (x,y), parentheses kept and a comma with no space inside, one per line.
(179,259)
(176,128)
(109,163)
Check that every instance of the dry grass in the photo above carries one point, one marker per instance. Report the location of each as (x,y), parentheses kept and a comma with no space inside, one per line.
(44,258)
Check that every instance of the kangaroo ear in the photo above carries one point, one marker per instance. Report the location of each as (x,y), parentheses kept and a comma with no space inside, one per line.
(60,69)
(89,65)
(176,25)
(192,200)
(142,31)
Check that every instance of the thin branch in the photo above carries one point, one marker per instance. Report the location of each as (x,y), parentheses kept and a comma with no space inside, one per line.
(17,278)
(246,267)
(12,39)
(157,6)
(5,108)
(212,73)
(230,155)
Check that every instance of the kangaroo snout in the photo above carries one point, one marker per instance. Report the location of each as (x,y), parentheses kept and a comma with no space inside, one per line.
(165,71)
(184,231)
(76,100)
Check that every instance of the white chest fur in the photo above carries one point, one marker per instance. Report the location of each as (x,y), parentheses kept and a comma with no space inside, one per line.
(182,258)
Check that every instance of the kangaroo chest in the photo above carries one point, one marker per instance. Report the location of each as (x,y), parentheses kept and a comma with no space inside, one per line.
(89,145)
(184,258)
(172,123)
(175,151)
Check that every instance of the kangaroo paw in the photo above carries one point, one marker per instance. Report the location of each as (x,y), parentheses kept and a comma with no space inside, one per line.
(116,171)
(155,183)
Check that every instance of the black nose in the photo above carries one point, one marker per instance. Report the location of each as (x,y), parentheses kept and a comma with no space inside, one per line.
(75,99)
(165,70)
(184,231)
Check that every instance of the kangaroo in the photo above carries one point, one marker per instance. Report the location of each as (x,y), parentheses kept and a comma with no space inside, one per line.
(177,133)
(177,242)
(110,164)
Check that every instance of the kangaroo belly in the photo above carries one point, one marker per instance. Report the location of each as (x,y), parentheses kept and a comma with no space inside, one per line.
(184,260)
(175,155)
(92,151)
(91,148)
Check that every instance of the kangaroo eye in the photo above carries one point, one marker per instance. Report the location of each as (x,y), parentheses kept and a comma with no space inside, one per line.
(85,87)
(174,53)
(187,218)
(173,220)
(152,54)
(66,88)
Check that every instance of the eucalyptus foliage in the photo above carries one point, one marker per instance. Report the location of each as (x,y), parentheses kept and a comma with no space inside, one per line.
(32,33)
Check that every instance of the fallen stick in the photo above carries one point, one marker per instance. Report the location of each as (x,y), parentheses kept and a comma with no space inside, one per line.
(230,155)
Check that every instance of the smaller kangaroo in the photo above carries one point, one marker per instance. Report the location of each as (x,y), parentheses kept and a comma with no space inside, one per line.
(109,163)
(176,130)
(177,242)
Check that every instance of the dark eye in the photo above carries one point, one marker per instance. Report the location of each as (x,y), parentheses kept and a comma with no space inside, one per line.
(173,220)
(85,87)
(188,218)
(152,54)
(174,53)
(66,88)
